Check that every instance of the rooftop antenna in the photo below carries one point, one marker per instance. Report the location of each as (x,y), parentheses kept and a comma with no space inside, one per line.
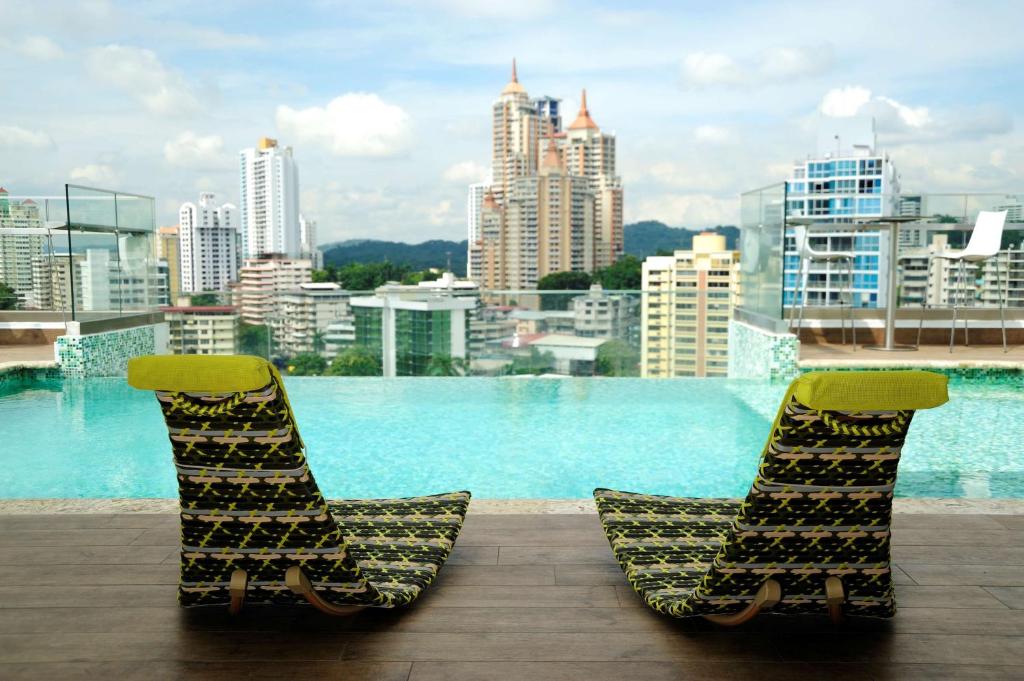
(448,254)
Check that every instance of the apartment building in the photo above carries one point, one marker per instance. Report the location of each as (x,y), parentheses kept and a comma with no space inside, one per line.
(979,285)
(600,314)
(209,244)
(307,314)
(202,330)
(687,303)
(846,181)
(168,249)
(18,244)
(269,200)
(262,281)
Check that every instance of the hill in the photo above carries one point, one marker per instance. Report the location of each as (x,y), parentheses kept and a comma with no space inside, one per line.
(432,253)
(641,239)
(648,237)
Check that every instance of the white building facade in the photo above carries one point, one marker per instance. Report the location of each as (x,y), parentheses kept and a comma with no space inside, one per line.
(208,244)
(269,200)
(848,180)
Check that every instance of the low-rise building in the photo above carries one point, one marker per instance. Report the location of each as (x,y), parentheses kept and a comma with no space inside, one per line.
(573,355)
(202,330)
(600,314)
(262,281)
(307,315)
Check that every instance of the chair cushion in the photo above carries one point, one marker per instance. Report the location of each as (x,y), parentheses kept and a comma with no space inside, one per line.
(199,373)
(870,390)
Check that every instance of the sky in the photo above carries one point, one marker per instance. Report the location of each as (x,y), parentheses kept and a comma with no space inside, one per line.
(387,103)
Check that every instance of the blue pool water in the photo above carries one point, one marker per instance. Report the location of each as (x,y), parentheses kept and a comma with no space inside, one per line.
(499,438)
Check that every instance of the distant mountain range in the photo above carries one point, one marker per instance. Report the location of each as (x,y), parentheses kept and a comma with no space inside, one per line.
(641,239)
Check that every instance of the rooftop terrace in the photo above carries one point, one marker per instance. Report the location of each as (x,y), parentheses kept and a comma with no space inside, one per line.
(527,596)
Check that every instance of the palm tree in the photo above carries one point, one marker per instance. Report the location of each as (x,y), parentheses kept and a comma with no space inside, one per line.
(319,342)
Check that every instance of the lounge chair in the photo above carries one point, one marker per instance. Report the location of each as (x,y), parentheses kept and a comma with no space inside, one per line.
(812,534)
(254,525)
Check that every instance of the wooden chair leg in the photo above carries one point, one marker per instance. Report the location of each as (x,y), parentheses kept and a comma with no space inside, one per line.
(767,596)
(834,598)
(296,580)
(239,582)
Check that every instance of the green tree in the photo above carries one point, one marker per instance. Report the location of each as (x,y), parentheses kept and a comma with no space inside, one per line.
(535,363)
(306,364)
(561,281)
(624,275)
(253,339)
(446,365)
(204,299)
(617,358)
(319,341)
(8,298)
(355,361)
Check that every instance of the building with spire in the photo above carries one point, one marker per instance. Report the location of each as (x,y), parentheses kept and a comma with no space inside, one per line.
(554,202)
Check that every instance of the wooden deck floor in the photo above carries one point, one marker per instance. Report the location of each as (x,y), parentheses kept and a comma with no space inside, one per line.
(524,597)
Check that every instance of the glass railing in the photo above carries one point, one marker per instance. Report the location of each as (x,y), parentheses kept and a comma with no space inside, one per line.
(87,255)
(926,224)
(397,330)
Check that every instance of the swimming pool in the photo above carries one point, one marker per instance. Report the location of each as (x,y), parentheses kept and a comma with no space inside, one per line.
(499,438)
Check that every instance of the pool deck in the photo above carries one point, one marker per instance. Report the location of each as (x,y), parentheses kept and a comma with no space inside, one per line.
(533,596)
(830,355)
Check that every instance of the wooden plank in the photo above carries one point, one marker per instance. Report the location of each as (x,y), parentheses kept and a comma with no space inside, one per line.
(556,555)
(496,575)
(80,575)
(589,575)
(946,521)
(989,649)
(473,555)
(960,555)
(519,536)
(87,596)
(425,618)
(520,596)
(87,555)
(939,537)
(540,647)
(72,537)
(977,575)
(1010,596)
(209,671)
(945,597)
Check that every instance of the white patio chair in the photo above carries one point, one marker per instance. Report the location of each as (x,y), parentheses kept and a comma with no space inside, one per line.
(986,238)
(810,255)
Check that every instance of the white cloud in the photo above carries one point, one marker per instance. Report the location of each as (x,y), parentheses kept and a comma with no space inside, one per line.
(915,117)
(521,10)
(773,64)
(97,174)
(844,101)
(711,68)
(141,74)
(11,136)
(712,134)
(354,124)
(440,213)
(35,47)
(689,210)
(465,172)
(787,63)
(194,151)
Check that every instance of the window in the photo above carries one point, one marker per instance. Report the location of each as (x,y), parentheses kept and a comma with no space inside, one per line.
(870,186)
(869,206)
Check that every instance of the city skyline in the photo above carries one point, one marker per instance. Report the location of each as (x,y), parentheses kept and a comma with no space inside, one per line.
(388,138)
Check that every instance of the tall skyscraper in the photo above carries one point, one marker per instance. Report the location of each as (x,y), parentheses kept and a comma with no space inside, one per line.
(687,304)
(590,153)
(208,243)
(269,196)
(847,180)
(554,203)
(17,249)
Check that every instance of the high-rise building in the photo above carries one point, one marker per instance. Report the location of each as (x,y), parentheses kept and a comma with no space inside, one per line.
(208,243)
(939,281)
(846,181)
(269,197)
(51,280)
(262,282)
(590,153)
(308,243)
(687,303)
(127,280)
(168,249)
(16,249)
(202,330)
(549,225)
(554,203)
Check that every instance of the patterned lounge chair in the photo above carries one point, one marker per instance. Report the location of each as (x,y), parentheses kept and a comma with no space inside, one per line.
(812,533)
(253,523)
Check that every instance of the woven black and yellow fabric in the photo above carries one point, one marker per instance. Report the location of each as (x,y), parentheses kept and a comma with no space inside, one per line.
(820,506)
(249,501)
